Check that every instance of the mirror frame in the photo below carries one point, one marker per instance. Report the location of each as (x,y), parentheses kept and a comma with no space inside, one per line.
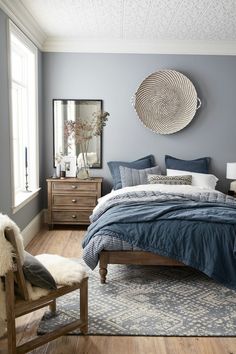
(100,166)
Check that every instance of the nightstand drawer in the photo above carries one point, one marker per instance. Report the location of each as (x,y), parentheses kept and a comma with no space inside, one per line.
(71,216)
(74,200)
(76,186)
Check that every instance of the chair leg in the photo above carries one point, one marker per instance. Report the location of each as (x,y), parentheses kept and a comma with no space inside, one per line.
(53,306)
(84,306)
(11,323)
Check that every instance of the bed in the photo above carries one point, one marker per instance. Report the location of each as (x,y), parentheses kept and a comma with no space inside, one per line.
(164,225)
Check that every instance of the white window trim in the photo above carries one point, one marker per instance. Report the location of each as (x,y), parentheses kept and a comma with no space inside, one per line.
(25,197)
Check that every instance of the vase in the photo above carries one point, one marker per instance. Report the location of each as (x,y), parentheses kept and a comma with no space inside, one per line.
(83,173)
(83,167)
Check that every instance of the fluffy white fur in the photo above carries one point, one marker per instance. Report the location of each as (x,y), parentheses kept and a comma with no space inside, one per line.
(6,261)
(65,271)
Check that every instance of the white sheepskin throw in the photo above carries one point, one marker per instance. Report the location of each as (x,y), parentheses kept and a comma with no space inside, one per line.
(6,261)
(6,249)
(64,270)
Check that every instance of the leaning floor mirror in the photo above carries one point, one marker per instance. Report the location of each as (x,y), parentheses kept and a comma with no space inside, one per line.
(72,110)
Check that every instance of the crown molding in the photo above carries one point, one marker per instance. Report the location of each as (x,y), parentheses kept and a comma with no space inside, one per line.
(23,19)
(195,47)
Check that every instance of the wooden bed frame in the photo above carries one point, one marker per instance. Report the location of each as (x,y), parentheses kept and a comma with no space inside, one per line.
(132,257)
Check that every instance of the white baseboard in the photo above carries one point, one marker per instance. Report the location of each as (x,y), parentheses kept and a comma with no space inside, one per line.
(33,227)
(45,216)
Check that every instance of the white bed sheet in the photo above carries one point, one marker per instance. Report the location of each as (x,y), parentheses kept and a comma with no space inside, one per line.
(166,188)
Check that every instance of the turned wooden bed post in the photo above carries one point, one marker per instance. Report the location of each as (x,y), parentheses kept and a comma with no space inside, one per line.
(103,262)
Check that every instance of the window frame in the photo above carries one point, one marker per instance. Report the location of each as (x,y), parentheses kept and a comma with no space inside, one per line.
(22,198)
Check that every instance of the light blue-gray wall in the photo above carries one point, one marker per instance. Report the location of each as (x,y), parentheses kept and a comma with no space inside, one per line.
(115,78)
(27,213)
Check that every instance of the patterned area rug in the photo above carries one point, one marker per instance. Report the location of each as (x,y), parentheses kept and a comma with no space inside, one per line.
(151,301)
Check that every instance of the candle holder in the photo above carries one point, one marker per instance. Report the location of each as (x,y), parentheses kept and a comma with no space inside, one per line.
(26,180)
(26,171)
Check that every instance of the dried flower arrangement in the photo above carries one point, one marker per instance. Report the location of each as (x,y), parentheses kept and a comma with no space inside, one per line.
(82,131)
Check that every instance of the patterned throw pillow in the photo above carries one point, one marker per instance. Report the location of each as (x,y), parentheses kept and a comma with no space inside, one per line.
(133,177)
(202,180)
(144,162)
(157,179)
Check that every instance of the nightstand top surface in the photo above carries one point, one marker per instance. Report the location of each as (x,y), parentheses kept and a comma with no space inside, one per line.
(73,180)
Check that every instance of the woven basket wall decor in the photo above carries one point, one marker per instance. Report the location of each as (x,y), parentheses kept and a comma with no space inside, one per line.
(166,101)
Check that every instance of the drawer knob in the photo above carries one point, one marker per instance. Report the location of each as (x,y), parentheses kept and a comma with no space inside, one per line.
(73,186)
(73,200)
(73,216)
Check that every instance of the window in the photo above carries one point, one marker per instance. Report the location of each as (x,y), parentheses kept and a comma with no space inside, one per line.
(24,113)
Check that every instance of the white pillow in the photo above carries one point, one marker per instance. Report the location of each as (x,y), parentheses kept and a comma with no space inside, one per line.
(201,180)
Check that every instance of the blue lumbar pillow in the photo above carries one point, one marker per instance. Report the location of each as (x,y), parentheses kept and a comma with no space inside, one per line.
(198,165)
(114,166)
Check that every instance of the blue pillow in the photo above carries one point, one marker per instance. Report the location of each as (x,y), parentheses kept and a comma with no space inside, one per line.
(114,166)
(36,273)
(199,165)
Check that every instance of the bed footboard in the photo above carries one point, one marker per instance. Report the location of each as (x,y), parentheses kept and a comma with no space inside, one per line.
(132,257)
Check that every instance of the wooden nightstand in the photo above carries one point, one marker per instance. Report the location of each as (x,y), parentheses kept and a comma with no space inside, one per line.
(71,200)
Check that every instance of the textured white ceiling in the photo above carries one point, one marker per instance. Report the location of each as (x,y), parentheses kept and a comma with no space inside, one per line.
(136,19)
(128,26)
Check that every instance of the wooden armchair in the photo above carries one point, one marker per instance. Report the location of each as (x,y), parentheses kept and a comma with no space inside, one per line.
(17,307)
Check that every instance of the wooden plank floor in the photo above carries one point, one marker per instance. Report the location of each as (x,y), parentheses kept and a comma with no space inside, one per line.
(68,244)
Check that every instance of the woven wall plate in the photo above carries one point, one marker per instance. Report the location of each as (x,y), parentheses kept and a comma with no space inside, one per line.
(166,101)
